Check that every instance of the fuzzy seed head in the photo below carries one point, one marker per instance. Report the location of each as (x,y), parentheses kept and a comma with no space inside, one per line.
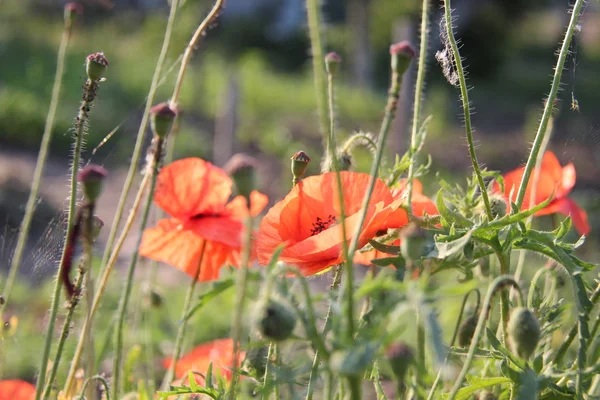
(162,117)
(242,169)
(402,53)
(96,65)
(332,63)
(300,162)
(523,332)
(275,320)
(91,177)
(400,357)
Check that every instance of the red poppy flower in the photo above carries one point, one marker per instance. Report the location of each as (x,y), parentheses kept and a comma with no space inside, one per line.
(421,205)
(219,352)
(553,179)
(306,220)
(16,389)
(195,194)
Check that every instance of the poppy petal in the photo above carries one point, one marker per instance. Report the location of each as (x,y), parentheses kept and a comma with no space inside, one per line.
(192,186)
(236,208)
(15,389)
(567,181)
(567,206)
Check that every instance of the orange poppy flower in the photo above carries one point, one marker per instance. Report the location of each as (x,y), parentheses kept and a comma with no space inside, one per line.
(219,352)
(306,220)
(553,179)
(16,389)
(195,194)
(421,205)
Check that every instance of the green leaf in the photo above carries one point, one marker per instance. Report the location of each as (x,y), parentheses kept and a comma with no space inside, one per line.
(451,217)
(495,343)
(384,247)
(447,249)
(528,389)
(209,376)
(563,229)
(477,384)
(397,262)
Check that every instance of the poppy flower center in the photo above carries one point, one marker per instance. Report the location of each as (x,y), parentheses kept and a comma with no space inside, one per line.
(321,224)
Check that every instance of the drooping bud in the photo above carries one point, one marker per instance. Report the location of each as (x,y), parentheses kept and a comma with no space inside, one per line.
(300,162)
(332,63)
(162,117)
(275,320)
(523,332)
(498,205)
(466,331)
(242,169)
(72,10)
(400,357)
(412,242)
(91,178)
(483,267)
(96,65)
(256,359)
(402,53)
(152,299)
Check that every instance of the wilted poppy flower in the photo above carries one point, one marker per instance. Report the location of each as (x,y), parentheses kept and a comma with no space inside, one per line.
(306,221)
(219,352)
(553,179)
(195,194)
(421,205)
(15,389)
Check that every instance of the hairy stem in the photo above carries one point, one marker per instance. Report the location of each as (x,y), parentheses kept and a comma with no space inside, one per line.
(542,129)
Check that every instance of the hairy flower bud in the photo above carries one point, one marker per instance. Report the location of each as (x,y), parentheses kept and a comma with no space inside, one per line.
(466,331)
(400,357)
(300,162)
(256,359)
(91,178)
(242,169)
(498,205)
(523,332)
(275,320)
(332,63)
(402,53)
(96,65)
(412,242)
(162,117)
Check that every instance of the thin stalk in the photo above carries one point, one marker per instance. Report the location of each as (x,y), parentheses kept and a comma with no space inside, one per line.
(130,272)
(137,150)
(542,129)
(313,15)
(418,102)
(464,94)
(89,93)
(103,282)
(504,259)
(170,375)
(39,168)
(276,362)
(266,376)
(377,382)
(241,286)
(498,284)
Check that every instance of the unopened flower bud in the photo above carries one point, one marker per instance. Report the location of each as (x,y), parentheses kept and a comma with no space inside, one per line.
(256,359)
(300,162)
(152,299)
(275,320)
(242,169)
(466,331)
(96,65)
(91,178)
(523,332)
(402,53)
(72,10)
(498,205)
(412,242)
(162,117)
(332,63)
(483,267)
(400,357)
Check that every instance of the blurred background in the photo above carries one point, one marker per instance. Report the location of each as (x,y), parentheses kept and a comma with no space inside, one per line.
(250,88)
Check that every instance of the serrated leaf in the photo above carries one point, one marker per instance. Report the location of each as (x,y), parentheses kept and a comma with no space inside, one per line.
(451,217)
(563,229)
(447,249)
(476,384)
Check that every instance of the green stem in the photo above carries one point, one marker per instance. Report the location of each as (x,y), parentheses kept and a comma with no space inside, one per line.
(377,382)
(547,113)
(170,375)
(267,376)
(497,284)
(89,93)
(464,92)
(241,286)
(39,169)
(504,259)
(276,362)
(115,389)
(313,15)
(418,102)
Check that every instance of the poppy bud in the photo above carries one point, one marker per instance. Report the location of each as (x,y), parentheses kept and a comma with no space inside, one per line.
(483,266)
(256,359)
(72,9)
(96,65)
(523,332)
(412,242)
(400,357)
(332,63)
(486,395)
(402,53)
(162,117)
(466,331)
(498,205)
(242,169)
(91,177)
(300,162)
(276,320)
